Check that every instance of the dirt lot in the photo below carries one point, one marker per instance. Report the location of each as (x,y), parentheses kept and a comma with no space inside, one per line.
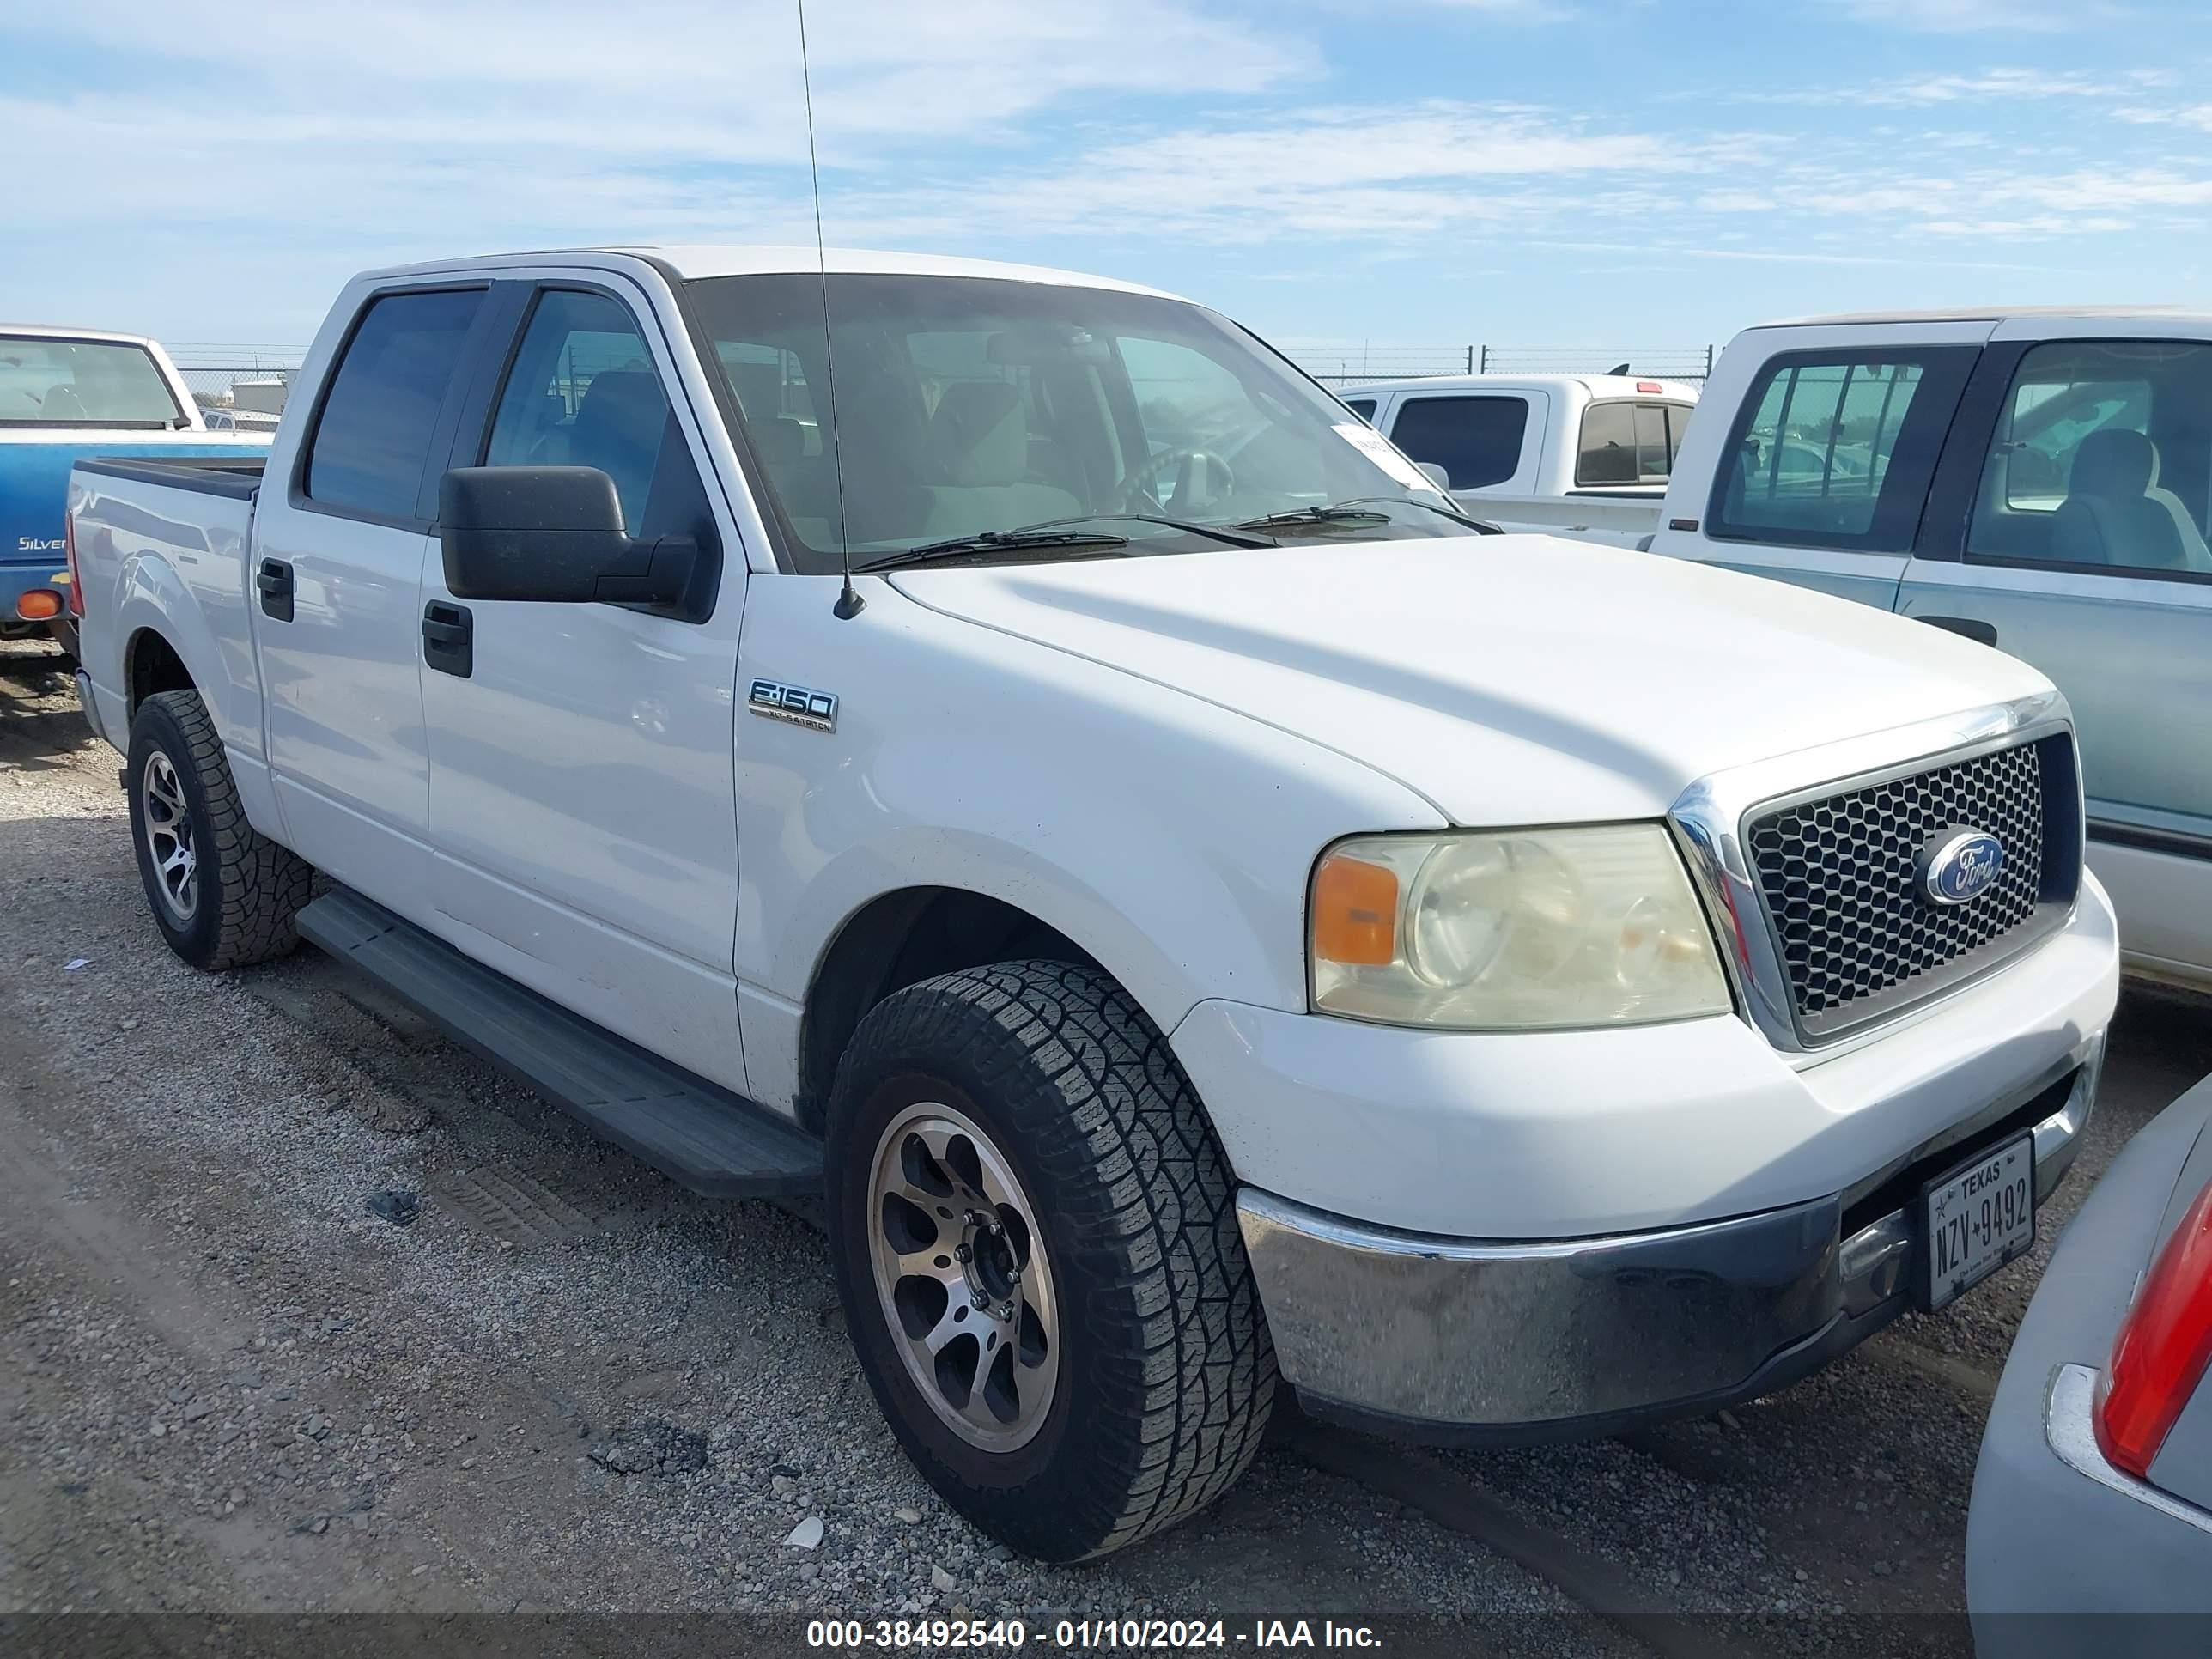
(227,1388)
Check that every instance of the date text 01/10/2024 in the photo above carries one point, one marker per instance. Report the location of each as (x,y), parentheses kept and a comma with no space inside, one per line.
(1088,1634)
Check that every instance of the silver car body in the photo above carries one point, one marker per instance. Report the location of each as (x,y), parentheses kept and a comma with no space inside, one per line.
(2059,1541)
(1934,464)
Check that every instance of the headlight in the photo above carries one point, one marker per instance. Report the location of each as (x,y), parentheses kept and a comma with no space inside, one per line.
(1512,929)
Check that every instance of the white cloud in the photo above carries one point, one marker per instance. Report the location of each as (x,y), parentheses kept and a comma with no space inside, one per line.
(241,146)
(1388,172)
(1998,86)
(2198,116)
(688,75)
(424,128)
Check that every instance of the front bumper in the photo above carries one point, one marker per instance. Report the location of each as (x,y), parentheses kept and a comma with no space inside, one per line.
(1506,1341)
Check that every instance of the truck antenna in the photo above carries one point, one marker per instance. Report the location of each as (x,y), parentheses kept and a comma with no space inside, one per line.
(849,602)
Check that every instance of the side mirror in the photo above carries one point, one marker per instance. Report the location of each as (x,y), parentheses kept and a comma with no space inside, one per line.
(552,534)
(1435,473)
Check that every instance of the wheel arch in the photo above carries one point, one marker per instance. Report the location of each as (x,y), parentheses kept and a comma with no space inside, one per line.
(898,939)
(152,663)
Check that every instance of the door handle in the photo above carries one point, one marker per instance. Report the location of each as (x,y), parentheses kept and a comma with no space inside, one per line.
(448,638)
(274,579)
(1969,627)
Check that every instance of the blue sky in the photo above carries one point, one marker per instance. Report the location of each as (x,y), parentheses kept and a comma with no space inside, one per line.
(1601,173)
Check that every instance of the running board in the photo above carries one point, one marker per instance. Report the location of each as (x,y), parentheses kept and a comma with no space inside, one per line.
(698,1133)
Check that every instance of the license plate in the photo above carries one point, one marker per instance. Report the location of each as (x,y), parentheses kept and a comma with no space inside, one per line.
(1978,1218)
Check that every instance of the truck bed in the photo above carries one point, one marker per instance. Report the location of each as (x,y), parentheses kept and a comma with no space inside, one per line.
(238,477)
(1617,519)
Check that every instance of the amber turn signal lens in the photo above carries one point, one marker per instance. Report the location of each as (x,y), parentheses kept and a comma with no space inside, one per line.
(40,605)
(1355,913)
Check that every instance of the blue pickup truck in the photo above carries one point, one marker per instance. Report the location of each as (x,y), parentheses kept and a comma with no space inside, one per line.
(66,394)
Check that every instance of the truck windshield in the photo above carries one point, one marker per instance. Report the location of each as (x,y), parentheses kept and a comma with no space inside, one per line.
(49,381)
(973,405)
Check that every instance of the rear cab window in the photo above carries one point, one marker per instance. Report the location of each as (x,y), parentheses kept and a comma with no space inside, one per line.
(1624,443)
(373,433)
(1836,448)
(48,380)
(1476,440)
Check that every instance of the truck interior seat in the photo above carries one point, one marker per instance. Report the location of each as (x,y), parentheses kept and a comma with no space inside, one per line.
(979,445)
(618,429)
(61,403)
(2115,514)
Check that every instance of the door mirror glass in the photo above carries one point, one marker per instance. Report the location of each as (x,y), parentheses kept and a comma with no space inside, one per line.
(551,534)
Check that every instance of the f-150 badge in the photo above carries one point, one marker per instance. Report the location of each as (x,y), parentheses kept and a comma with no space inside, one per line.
(816,710)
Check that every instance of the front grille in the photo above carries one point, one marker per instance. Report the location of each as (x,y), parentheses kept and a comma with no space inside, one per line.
(1856,938)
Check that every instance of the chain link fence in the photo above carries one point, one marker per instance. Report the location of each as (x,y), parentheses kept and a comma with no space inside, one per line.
(214,374)
(1347,364)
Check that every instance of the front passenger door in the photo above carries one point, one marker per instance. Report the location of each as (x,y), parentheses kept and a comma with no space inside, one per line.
(581,755)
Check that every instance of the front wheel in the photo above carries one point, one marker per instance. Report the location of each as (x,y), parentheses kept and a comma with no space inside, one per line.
(223,893)
(1034,1237)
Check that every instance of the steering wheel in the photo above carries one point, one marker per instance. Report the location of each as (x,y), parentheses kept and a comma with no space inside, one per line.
(1195,468)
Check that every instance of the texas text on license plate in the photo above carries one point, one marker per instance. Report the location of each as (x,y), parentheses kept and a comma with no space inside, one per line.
(1979,1217)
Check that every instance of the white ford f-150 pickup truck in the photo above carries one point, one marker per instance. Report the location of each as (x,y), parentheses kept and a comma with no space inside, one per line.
(1202,916)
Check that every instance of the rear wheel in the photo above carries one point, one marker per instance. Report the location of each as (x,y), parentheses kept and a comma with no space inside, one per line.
(1034,1237)
(223,894)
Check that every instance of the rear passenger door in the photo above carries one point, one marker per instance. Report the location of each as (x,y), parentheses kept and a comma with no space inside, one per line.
(1487,441)
(2069,529)
(582,757)
(339,548)
(1821,472)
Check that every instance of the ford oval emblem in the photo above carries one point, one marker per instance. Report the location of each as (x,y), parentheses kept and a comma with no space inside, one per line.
(1959,865)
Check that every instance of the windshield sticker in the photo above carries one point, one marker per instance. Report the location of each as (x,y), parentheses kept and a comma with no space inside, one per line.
(1385,454)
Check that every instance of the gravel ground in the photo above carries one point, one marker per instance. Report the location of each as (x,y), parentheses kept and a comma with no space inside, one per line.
(226,1387)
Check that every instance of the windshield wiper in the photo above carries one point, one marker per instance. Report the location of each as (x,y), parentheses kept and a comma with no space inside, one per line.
(993,541)
(1361,510)
(1051,532)
(1232,534)
(1336,513)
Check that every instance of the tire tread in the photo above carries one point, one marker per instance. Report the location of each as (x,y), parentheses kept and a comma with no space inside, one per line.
(1161,1247)
(260,886)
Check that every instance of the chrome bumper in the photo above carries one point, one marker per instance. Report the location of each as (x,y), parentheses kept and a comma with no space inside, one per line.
(1471,1340)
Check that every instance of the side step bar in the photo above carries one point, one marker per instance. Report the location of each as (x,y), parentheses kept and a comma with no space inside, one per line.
(698,1133)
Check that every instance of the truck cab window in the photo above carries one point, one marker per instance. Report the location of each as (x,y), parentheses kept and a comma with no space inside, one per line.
(1836,449)
(1477,441)
(584,393)
(1652,462)
(1607,454)
(2102,458)
(372,436)
(968,406)
(1363,407)
(46,380)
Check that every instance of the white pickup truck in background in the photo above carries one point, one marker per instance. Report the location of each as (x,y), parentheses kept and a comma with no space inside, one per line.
(1199,910)
(1585,455)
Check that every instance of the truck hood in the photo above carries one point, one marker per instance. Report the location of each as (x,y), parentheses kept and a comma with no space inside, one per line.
(1508,679)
